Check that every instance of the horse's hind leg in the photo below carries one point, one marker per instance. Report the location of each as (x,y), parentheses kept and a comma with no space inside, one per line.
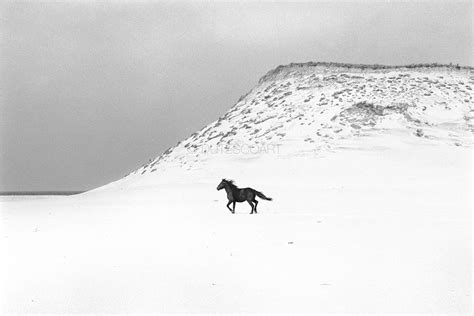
(255,207)
(250,202)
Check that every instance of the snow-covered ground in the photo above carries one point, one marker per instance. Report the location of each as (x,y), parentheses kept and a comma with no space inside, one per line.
(373,218)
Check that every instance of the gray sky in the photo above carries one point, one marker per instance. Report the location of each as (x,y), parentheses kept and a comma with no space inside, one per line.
(90,91)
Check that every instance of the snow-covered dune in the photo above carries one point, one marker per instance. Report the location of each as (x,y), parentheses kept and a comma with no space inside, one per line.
(314,109)
(370,171)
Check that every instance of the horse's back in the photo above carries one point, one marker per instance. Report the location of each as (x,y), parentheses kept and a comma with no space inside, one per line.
(243,194)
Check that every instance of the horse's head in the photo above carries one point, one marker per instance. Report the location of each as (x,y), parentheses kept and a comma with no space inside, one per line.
(221,185)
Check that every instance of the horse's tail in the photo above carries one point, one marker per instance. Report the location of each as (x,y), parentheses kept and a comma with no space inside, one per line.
(262,196)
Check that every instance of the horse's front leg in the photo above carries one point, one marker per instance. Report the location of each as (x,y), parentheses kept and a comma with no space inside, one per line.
(233,208)
(228,206)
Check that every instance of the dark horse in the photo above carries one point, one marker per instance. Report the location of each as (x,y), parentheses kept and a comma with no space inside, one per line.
(235,194)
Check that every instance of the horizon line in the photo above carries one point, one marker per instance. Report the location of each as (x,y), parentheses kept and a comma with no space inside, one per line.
(42,192)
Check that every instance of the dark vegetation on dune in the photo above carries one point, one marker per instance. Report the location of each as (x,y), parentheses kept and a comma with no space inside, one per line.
(362,67)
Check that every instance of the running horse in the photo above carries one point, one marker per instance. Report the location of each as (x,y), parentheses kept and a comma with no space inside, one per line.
(235,194)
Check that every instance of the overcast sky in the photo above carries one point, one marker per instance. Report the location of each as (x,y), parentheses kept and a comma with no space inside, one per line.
(90,91)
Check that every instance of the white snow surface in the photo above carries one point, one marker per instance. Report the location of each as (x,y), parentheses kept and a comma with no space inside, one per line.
(371,175)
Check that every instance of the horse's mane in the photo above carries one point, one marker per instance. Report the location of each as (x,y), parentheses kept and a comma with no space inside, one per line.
(230,182)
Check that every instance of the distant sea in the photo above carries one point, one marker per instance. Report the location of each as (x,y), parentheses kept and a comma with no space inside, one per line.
(40,192)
